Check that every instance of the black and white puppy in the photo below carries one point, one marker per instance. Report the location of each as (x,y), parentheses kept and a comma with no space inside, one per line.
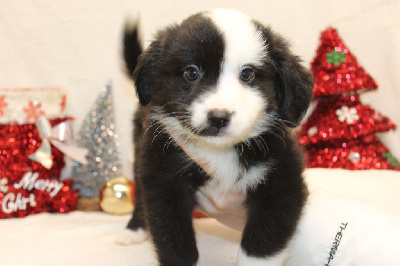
(218,93)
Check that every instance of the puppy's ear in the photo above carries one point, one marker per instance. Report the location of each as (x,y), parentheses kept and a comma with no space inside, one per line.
(141,76)
(295,84)
(135,60)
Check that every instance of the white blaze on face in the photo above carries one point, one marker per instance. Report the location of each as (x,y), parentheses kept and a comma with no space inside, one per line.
(244,46)
(243,43)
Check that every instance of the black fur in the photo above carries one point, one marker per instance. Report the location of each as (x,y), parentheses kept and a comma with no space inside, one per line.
(293,81)
(131,39)
(174,48)
(167,178)
(275,206)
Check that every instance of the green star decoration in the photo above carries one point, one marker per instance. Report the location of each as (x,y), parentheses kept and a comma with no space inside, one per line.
(391,159)
(336,58)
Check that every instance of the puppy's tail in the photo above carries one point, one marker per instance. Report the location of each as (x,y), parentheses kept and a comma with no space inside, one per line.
(132,47)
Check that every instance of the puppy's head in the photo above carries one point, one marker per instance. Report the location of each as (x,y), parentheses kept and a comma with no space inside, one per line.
(221,78)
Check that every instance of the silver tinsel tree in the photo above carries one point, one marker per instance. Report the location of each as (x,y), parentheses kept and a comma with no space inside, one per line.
(97,134)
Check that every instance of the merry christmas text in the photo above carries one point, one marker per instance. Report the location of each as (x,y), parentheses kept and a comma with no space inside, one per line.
(13,202)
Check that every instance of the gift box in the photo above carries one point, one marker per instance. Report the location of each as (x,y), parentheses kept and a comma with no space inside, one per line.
(30,163)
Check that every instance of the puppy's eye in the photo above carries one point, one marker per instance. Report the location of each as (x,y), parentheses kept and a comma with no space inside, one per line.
(247,74)
(191,73)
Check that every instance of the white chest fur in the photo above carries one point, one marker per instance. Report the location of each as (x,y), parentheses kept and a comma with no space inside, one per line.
(224,168)
(221,164)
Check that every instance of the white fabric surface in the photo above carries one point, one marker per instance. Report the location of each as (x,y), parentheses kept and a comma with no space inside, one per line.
(367,200)
(84,239)
(76,45)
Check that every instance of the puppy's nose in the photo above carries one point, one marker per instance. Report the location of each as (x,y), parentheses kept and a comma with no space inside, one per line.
(219,118)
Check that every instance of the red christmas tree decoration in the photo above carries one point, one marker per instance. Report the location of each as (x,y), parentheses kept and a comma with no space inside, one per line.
(336,71)
(341,131)
(337,119)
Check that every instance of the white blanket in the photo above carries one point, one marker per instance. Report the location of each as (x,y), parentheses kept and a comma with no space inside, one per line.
(367,201)
(84,239)
(352,218)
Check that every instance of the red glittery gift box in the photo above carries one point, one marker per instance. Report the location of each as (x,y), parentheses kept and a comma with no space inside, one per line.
(26,186)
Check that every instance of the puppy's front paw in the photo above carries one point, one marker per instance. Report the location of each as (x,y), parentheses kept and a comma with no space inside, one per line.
(128,237)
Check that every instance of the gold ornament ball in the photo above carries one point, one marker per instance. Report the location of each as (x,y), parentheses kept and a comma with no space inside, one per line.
(116,196)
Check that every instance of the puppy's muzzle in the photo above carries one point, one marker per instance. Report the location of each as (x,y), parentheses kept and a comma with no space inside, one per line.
(219,118)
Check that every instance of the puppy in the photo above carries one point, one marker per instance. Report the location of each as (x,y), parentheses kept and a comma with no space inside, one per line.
(218,93)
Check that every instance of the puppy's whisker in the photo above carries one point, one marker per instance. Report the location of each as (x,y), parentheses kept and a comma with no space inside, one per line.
(179,114)
(277,124)
(281,131)
(261,145)
(264,144)
(286,122)
(170,142)
(157,132)
(167,144)
(248,144)
(279,137)
(255,140)
(152,123)
(282,124)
